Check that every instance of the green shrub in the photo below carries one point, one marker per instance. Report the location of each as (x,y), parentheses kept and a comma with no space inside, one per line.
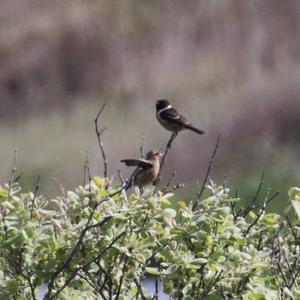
(99,242)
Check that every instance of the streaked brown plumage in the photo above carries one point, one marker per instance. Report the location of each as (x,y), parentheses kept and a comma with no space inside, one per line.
(171,119)
(147,169)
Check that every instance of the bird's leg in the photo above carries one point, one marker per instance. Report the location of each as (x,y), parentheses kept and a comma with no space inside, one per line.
(173,136)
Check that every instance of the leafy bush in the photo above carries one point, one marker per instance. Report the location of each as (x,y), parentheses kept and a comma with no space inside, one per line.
(99,242)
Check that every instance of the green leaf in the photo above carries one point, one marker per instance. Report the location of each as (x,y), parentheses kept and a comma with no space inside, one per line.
(270,219)
(294,192)
(296,205)
(235,257)
(13,285)
(99,181)
(169,213)
(165,200)
(199,261)
(3,193)
(254,296)
(152,271)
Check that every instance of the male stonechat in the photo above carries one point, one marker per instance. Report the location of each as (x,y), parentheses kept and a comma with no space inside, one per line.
(147,169)
(171,119)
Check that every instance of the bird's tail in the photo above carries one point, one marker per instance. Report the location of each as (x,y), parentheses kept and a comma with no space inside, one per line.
(188,126)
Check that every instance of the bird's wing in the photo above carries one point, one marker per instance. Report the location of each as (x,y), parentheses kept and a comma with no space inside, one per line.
(138,162)
(173,116)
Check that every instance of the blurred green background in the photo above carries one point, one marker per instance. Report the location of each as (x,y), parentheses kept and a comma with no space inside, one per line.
(232,67)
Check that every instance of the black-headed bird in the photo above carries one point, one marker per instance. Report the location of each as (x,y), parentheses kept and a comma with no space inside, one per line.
(171,119)
(147,169)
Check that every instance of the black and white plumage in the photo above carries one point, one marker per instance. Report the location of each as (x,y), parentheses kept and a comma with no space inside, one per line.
(171,119)
(147,169)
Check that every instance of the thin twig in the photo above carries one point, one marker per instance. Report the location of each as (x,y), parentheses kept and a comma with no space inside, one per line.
(245,212)
(116,238)
(282,274)
(120,177)
(255,220)
(37,187)
(140,289)
(75,272)
(92,283)
(18,177)
(32,287)
(294,233)
(273,197)
(157,286)
(118,293)
(99,133)
(212,159)
(77,245)
(172,175)
(168,147)
(213,282)
(13,170)
(175,187)
(294,277)
(100,223)
(86,170)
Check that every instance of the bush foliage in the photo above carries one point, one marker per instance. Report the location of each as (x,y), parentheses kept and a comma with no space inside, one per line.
(100,242)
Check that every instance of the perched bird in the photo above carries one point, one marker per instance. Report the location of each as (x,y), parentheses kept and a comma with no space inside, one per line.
(147,169)
(171,119)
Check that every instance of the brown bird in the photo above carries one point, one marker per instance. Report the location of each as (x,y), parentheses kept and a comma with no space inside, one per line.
(171,119)
(147,169)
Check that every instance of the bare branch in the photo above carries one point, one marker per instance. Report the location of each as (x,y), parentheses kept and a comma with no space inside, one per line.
(157,286)
(120,177)
(99,134)
(212,159)
(245,212)
(294,232)
(118,293)
(18,177)
(175,187)
(168,147)
(172,175)
(31,285)
(272,197)
(86,169)
(140,289)
(255,220)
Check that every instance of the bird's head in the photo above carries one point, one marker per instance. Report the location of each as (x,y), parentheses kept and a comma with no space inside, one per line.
(161,104)
(154,154)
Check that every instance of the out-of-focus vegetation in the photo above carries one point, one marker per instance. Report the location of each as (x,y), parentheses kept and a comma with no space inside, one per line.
(231,66)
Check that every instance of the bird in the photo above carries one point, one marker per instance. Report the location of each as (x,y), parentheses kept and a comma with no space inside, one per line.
(147,169)
(171,119)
